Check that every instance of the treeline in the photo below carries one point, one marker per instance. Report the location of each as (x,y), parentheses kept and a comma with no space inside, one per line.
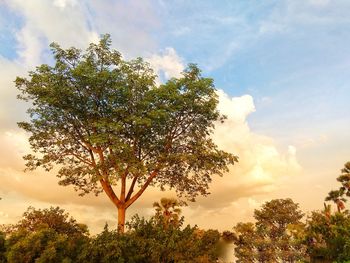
(280,233)
(50,235)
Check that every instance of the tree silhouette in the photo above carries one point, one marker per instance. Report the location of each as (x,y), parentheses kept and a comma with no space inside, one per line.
(338,196)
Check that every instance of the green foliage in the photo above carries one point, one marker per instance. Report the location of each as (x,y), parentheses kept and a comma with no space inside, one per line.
(148,241)
(47,235)
(50,235)
(338,196)
(43,245)
(275,237)
(53,218)
(168,211)
(328,236)
(2,247)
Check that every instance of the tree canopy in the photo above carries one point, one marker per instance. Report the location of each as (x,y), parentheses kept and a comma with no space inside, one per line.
(106,124)
(339,196)
(168,211)
(274,236)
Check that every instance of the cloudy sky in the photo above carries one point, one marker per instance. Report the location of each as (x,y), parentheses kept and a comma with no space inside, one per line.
(282,70)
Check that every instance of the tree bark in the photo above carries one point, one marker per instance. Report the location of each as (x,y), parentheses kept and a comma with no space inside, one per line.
(121,219)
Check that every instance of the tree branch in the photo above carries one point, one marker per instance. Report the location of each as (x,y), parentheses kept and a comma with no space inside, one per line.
(143,188)
(109,191)
(131,189)
(123,186)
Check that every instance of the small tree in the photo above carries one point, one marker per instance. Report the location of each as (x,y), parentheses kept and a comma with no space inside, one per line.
(168,211)
(245,238)
(48,235)
(275,235)
(338,196)
(328,236)
(54,218)
(109,128)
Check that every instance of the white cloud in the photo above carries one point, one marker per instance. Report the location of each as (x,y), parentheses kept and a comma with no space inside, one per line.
(236,109)
(167,64)
(260,165)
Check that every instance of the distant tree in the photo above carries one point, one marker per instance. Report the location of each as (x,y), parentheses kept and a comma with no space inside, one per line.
(54,218)
(245,241)
(328,237)
(275,235)
(106,124)
(338,196)
(168,211)
(47,235)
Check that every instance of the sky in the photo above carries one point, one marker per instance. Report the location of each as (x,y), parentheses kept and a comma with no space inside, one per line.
(281,69)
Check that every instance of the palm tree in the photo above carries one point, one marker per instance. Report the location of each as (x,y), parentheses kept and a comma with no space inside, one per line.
(337,197)
(168,211)
(344,179)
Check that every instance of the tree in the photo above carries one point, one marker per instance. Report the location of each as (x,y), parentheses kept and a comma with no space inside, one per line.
(54,218)
(245,238)
(109,128)
(328,236)
(168,211)
(275,237)
(272,224)
(337,196)
(47,235)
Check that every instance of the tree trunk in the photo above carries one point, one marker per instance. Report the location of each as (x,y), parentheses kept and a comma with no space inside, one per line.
(121,219)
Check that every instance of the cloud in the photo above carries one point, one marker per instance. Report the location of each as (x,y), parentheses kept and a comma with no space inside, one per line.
(63,3)
(261,165)
(10,110)
(167,64)
(50,21)
(133,24)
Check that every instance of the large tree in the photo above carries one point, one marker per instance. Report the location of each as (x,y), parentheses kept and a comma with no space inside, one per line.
(109,128)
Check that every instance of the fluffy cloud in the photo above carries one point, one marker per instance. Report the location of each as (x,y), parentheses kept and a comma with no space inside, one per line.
(261,168)
(167,64)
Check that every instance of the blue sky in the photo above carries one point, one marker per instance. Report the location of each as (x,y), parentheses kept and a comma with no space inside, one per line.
(283,66)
